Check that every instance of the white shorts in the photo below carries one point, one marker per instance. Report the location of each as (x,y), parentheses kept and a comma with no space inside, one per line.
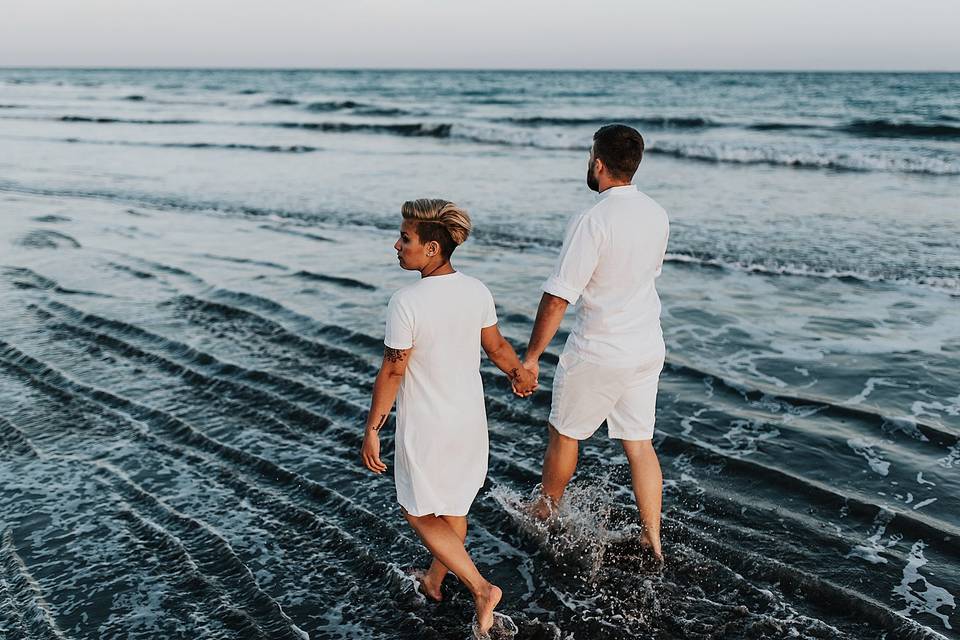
(585,394)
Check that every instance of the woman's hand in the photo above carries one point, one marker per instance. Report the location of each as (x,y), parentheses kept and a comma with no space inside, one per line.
(524,382)
(370,452)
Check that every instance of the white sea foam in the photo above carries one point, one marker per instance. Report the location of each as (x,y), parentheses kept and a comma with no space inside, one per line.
(918,593)
(745,436)
(902,424)
(921,480)
(866,448)
(869,387)
(687,422)
(871,548)
(935,408)
(952,458)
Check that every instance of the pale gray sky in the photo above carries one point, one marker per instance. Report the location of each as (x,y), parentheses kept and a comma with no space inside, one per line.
(668,34)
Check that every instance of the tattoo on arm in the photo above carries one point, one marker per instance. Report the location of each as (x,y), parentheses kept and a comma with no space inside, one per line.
(383,421)
(393,355)
(513,374)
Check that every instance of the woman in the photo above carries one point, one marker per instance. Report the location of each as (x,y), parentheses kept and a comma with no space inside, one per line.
(435,328)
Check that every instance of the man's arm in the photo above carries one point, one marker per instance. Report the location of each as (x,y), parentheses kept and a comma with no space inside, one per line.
(549,315)
(575,266)
(384,395)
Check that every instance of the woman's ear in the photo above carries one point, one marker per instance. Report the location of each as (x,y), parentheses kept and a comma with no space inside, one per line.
(433,248)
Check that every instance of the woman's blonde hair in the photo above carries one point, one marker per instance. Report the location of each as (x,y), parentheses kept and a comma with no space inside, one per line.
(438,220)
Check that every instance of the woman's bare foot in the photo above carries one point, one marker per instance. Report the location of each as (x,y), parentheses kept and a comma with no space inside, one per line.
(486,603)
(429,585)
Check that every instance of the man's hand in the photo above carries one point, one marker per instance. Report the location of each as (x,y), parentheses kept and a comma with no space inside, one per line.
(370,452)
(533,366)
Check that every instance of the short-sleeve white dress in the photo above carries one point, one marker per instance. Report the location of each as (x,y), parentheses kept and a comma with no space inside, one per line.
(441,439)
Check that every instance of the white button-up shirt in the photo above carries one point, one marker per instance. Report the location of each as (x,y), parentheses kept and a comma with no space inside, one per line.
(611,255)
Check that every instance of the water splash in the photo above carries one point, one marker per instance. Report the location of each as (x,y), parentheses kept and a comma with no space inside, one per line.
(575,533)
(503,628)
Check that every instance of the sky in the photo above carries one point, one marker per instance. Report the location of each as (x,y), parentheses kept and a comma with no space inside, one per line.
(512,34)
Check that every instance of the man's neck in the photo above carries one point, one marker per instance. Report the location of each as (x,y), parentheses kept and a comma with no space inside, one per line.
(604,185)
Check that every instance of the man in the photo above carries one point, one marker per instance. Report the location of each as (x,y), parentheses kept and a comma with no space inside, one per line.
(611,364)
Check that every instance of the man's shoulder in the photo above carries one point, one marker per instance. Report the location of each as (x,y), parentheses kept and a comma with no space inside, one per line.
(650,202)
(610,215)
(635,200)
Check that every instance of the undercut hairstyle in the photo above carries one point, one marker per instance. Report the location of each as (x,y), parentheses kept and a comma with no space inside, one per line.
(620,148)
(439,221)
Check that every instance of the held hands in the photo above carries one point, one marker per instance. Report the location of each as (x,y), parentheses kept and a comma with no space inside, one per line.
(370,452)
(525,379)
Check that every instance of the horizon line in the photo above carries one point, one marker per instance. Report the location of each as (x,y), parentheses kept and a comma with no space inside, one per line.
(461,69)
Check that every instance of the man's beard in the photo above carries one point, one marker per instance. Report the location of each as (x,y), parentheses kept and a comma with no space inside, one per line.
(592,181)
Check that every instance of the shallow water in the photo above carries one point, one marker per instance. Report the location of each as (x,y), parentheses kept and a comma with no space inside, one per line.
(193,287)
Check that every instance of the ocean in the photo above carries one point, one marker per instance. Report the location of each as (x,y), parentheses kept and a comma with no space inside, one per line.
(194,270)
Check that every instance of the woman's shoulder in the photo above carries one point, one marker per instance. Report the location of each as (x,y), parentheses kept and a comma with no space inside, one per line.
(475,284)
(471,280)
(403,295)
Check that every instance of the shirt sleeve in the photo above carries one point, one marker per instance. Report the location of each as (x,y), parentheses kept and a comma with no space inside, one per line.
(489,310)
(663,256)
(399,333)
(578,260)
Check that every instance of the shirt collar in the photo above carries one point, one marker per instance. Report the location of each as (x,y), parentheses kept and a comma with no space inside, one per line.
(612,191)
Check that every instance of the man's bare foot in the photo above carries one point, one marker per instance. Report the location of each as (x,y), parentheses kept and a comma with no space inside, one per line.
(652,547)
(429,585)
(486,603)
(542,508)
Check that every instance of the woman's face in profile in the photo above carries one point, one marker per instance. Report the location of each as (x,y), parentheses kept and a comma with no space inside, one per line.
(411,253)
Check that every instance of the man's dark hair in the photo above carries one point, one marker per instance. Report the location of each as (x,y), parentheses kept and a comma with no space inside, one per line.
(620,148)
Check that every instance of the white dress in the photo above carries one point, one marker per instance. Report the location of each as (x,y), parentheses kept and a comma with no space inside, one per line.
(441,439)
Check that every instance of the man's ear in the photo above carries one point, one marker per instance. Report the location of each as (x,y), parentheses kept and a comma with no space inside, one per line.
(598,165)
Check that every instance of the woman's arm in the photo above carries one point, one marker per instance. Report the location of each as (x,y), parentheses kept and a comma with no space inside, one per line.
(502,354)
(384,395)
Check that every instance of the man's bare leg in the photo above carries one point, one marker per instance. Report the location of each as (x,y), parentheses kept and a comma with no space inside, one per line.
(447,547)
(559,464)
(648,489)
(433,577)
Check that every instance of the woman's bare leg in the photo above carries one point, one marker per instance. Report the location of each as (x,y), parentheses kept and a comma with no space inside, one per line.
(447,547)
(434,576)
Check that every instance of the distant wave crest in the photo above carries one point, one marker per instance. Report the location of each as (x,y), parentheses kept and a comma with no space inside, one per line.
(666,122)
(411,129)
(945,284)
(110,120)
(356,107)
(890,129)
(808,159)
